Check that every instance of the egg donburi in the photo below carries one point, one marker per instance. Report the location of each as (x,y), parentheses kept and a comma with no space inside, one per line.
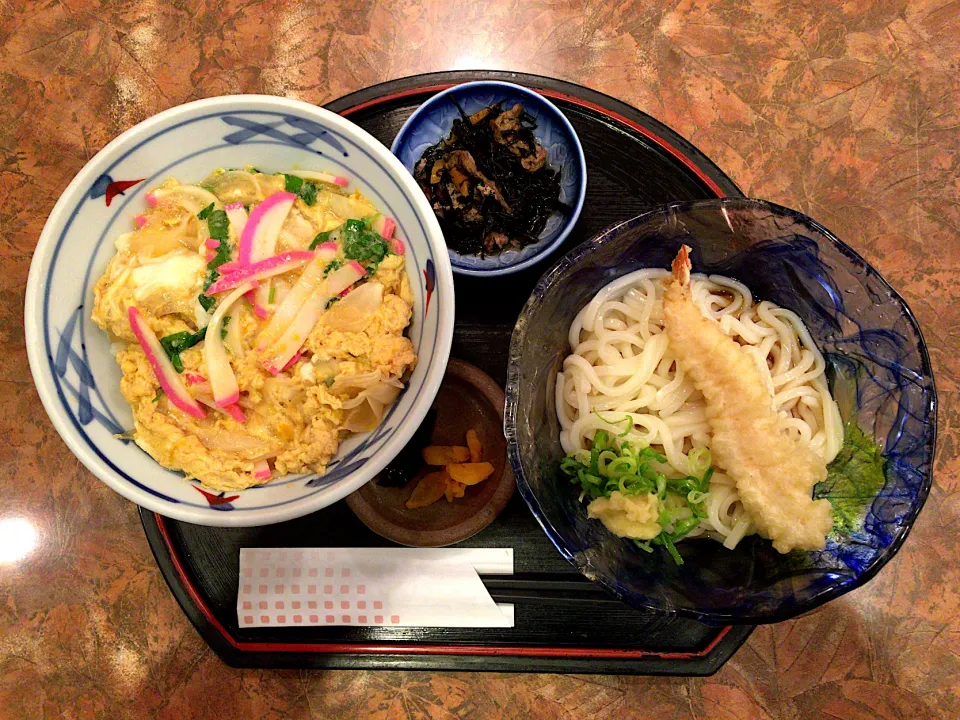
(258,319)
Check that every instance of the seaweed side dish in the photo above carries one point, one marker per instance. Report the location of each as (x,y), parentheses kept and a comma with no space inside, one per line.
(489,182)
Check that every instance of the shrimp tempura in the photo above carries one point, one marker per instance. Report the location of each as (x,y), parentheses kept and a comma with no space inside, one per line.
(774,474)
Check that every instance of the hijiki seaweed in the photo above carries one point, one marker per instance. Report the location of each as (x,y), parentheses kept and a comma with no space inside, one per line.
(489,183)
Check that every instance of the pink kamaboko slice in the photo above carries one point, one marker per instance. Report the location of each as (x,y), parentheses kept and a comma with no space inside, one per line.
(222,380)
(162,367)
(321,177)
(259,238)
(237,215)
(261,270)
(299,294)
(384,226)
(279,354)
(233,411)
(261,470)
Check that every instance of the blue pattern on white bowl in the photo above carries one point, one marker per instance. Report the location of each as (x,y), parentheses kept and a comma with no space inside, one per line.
(74,370)
(434,119)
(876,357)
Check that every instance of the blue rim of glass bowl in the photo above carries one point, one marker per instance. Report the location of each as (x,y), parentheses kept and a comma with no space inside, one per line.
(546,250)
(513,450)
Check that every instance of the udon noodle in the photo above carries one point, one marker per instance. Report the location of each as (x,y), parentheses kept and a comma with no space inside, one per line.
(621,367)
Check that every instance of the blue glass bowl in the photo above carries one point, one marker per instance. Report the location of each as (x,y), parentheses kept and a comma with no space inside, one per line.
(879,371)
(433,121)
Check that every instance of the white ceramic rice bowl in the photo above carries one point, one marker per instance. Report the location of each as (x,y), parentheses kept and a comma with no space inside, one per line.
(74,370)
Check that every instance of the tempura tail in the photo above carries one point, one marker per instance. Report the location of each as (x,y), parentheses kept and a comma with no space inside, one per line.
(774,474)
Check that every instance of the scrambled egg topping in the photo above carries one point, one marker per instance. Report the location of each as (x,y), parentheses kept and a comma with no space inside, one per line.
(294,420)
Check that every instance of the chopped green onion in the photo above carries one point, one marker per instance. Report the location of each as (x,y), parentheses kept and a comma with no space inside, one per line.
(615,465)
(273,294)
(205,213)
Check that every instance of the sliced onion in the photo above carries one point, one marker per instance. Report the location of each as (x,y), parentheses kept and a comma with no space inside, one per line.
(245,446)
(370,385)
(234,334)
(201,316)
(234,186)
(237,215)
(162,367)
(293,301)
(261,270)
(190,197)
(346,207)
(222,380)
(297,232)
(353,313)
(366,409)
(279,354)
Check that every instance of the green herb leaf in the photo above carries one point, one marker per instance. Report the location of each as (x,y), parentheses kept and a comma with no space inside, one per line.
(223,327)
(292,183)
(205,213)
(158,396)
(854,478)
(308,193)
(331,301)
(364,246)
(219,225)
(273,294)
(328,381)
(304,189)
(222,256)
(206,302)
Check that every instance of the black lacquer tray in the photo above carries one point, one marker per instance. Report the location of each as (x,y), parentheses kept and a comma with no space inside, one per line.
(563,622)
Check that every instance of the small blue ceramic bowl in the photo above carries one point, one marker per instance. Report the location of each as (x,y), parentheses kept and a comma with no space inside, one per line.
(878,369)
(433,121)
